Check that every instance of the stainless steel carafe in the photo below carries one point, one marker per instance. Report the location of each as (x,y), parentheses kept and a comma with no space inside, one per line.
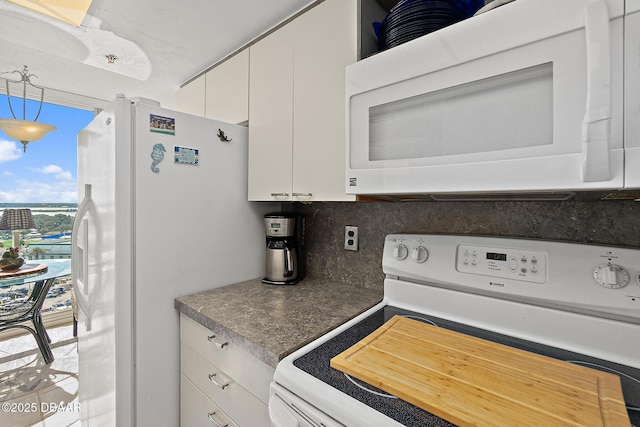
(282,263)
(285,248)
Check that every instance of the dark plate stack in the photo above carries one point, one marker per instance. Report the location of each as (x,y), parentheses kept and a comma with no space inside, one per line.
(410,19)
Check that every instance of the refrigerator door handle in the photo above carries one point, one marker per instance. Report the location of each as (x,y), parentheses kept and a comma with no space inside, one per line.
(79,257)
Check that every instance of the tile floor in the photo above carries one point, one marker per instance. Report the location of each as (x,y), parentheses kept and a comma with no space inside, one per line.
(35,394)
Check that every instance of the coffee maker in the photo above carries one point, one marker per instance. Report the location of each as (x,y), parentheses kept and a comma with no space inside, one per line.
(285,248)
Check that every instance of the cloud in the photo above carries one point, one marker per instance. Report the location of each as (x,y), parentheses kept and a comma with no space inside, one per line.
(51,169)
(9,151)
(27,191)
(48,169)
(61,175)
(64,176)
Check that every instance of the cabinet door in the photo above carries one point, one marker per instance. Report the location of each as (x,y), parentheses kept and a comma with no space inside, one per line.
(224,390)
(196,410)
(325,43)
(270,117)
(227,91)
(190,98)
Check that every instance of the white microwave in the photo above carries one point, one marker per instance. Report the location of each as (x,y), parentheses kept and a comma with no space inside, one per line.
(532,96)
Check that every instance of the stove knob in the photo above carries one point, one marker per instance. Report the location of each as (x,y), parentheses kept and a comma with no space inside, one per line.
(400,251)
(611,276)
(420,254)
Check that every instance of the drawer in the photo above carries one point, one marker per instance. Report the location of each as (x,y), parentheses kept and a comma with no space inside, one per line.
(244,408)
(251,373)
(198,411)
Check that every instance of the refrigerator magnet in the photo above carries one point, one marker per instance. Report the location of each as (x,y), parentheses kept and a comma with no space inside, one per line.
(223,137)
(188,156)
(157,155)
(162,124)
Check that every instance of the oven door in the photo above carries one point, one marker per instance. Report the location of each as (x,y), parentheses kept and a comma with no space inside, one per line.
(526,97)
(287,410)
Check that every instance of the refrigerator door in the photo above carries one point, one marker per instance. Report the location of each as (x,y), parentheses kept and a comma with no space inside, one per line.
(194,230)
(168,216)
(103,286)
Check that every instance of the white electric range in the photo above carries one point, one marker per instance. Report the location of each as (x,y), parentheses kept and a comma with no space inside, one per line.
(575,302)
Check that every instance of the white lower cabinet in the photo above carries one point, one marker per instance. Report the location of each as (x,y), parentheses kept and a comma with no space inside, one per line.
(216,376)
(197,410)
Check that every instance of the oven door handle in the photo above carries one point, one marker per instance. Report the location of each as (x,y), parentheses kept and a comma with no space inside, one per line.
(596,125)
(283,414)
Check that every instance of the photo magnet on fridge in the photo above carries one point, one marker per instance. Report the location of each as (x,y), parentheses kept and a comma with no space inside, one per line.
(188,156)
(162,124)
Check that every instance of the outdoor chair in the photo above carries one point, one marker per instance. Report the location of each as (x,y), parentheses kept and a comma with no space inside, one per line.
(26,315)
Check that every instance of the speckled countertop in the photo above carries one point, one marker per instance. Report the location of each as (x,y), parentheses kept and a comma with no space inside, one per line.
(270,322)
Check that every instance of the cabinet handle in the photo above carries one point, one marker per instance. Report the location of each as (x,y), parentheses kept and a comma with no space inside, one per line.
(219,344)
(302,194)
(216,422)
(279,194)
(222,385)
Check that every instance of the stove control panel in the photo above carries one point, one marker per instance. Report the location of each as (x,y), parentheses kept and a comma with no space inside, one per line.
(519,264)
(583,278)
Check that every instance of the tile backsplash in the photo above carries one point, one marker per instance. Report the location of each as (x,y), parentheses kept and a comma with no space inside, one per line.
(579,220)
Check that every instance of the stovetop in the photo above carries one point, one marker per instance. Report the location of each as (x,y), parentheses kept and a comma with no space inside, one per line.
(557,299)
(316,363)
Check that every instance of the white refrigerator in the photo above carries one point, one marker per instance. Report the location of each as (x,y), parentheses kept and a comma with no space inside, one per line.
(163,213)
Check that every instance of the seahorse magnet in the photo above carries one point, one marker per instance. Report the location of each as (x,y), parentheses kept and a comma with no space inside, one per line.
(157,155)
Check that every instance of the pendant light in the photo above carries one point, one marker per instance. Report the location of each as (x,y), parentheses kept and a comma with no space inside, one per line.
(24,130)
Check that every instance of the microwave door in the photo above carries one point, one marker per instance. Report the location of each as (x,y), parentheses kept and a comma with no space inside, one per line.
(453,112)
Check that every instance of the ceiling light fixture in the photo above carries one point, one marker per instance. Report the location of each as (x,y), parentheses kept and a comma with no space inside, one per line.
(24,130)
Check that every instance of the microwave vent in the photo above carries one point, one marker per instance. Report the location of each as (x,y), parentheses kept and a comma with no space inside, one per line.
(622,196)
(471,197)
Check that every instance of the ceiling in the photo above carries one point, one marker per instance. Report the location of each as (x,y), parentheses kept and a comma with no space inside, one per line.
(159,45)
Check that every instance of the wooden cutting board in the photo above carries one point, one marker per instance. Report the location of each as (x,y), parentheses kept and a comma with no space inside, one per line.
(473,382)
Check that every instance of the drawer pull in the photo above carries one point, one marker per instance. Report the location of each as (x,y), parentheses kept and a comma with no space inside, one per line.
(216,422)
(219,344)
(213,379)
(302,195)
(279,194)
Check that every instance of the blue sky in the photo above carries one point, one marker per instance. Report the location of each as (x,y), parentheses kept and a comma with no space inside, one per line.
(47,172)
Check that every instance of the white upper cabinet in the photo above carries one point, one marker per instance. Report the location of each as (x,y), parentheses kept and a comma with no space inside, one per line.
(325,44)
(222,93)
(190,98)
(227,91)
(290,87)
(271,117)
(296,105)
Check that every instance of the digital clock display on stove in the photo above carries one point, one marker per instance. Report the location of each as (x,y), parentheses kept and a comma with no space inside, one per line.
(496,256)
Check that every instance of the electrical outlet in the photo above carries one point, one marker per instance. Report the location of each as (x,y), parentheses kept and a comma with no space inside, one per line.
(351,238)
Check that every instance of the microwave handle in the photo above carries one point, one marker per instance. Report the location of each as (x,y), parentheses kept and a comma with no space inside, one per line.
(596,126)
